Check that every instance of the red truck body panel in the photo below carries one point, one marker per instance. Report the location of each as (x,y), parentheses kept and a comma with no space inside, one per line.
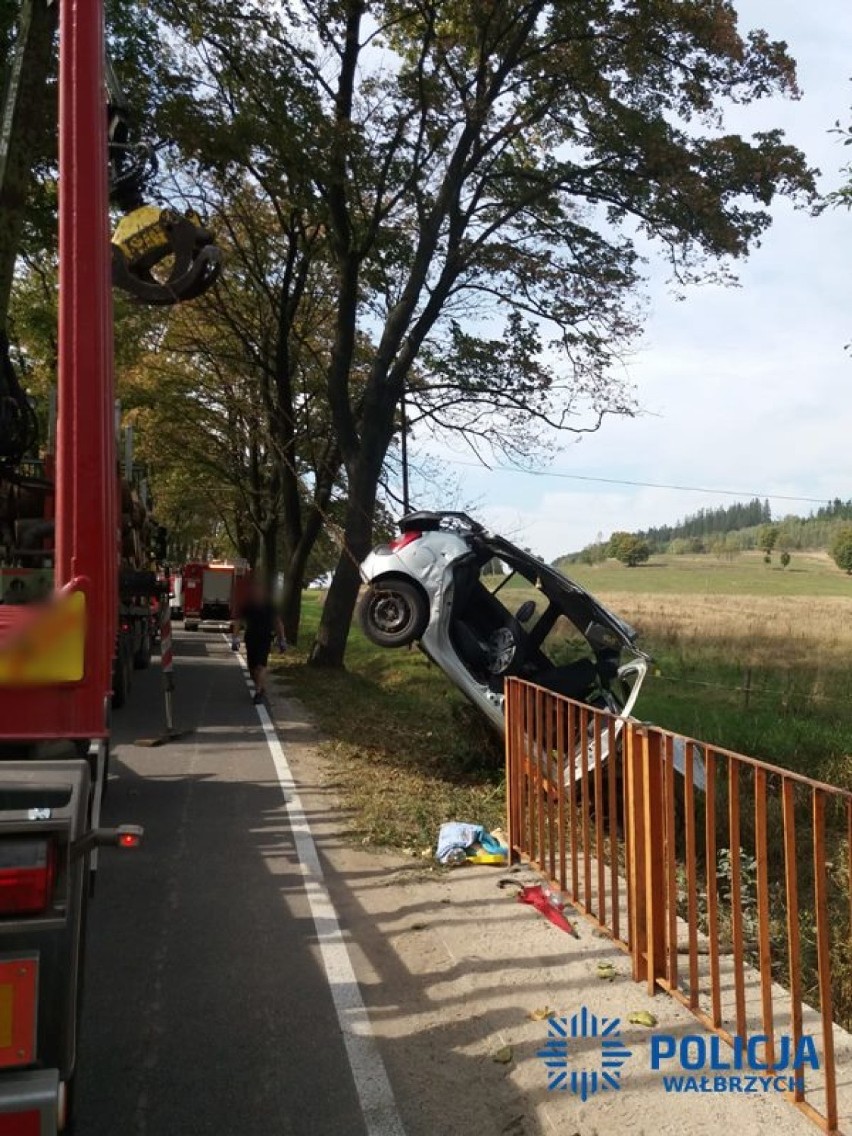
(86,535)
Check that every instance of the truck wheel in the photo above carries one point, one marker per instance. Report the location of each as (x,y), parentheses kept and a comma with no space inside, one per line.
(120,685)
(393,614)
(142,658)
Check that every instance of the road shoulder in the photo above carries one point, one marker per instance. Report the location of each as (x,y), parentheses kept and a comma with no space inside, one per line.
(450,968)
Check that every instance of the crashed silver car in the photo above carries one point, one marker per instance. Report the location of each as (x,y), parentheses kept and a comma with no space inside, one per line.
(435,585)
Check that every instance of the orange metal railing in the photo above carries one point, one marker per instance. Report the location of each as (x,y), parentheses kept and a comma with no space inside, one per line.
(727,879)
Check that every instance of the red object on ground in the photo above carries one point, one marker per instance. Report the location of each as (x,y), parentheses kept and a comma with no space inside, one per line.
(535,897)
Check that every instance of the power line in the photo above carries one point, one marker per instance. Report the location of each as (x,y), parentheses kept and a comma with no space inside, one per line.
(635,484)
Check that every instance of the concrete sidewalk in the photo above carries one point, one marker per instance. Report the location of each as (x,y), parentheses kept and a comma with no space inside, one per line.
(451,967)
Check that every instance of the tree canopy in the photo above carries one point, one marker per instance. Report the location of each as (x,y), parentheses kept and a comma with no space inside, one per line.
(628,548)
(465,193)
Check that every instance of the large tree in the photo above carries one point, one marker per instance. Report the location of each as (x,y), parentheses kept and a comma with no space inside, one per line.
(482,177)
(500,167)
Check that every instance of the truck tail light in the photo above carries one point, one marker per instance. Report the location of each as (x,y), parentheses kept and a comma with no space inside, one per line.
(402,541)
(20,1123)
(27,875)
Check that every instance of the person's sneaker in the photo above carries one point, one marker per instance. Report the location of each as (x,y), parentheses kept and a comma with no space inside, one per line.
(258,699)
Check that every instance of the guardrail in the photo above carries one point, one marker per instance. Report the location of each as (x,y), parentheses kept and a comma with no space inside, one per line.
(727,879)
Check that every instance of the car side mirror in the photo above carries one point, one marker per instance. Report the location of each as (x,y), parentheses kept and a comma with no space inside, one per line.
(526,611)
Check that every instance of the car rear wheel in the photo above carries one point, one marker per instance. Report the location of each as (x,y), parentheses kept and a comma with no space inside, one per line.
(394,614)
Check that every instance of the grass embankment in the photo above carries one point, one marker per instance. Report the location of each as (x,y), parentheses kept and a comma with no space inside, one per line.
(409,753)
(765,671)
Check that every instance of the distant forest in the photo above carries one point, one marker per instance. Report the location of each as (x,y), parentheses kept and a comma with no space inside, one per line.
(735,528)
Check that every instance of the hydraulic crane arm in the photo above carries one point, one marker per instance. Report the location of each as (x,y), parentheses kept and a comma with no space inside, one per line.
(158,255)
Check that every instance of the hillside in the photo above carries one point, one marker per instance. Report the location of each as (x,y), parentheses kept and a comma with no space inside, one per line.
(745,574)
(730,530)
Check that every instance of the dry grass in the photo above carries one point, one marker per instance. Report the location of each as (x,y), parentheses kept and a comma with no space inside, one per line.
(757,628)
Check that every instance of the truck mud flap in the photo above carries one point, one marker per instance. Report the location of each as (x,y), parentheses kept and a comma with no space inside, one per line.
(28,1103)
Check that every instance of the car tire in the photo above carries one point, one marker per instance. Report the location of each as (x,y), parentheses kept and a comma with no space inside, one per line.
(393,614)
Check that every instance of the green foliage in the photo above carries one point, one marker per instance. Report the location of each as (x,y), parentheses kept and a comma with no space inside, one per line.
(785,558)
(841,549)
(843,195)
(691,532)
(629,549)
(812,533)
(767,538)
(478,198)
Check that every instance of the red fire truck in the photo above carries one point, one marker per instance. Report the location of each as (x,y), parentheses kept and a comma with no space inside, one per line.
(213,593)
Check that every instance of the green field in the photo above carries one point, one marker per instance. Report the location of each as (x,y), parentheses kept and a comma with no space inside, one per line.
(809,574)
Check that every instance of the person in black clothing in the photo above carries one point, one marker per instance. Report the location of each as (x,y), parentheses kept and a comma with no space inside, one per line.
(261,622)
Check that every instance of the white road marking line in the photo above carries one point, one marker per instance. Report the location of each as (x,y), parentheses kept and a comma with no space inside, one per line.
(375,1094)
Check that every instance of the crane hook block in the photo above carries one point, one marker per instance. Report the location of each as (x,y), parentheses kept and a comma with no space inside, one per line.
(176,245)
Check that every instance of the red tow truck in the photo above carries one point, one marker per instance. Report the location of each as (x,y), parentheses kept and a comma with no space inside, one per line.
(27,533)
(74,551)
(56,654)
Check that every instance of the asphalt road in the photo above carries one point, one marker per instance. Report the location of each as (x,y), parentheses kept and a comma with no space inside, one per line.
(206,1006)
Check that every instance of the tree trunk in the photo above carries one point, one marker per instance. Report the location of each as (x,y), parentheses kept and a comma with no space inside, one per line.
(330,644)
(291,602)
(295,565)
(270,553)
(26,108)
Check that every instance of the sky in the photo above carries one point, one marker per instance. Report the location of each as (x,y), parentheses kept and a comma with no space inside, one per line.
(746,389)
